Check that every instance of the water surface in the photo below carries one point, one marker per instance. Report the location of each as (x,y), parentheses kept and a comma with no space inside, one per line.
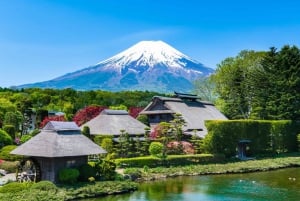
(275,185)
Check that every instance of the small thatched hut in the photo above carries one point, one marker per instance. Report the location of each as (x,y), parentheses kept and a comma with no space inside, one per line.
(59,145)
(111,122)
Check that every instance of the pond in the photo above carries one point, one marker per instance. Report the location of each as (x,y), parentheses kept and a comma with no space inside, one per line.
(278,185)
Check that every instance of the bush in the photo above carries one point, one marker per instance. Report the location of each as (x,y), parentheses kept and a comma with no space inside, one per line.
(156,148)
(44,186)
(105,169)
(9,166)
(25,138)
(68,175)
(5,153)
(86,131)
(98,138)
(133,173)
(15,187)
(86,171)
(107,144)
(143,118)
(5,139)
(10,129)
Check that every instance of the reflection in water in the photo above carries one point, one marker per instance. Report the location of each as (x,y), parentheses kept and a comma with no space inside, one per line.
(262,186)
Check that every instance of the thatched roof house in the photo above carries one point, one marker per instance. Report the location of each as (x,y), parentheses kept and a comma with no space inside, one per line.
(193,111)
(111,122)
(58,145)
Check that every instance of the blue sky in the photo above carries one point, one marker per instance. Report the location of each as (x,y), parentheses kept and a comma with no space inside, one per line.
(44,39)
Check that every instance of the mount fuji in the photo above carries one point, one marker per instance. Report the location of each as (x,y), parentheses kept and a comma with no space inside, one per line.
(147,65)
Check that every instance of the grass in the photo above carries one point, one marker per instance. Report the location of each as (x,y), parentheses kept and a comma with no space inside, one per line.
(75,192)
(264,164)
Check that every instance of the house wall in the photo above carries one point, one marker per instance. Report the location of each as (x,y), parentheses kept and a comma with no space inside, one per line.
(50,167)
(157,118)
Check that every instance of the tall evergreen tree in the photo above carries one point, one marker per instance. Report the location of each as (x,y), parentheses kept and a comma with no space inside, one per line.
(282,72)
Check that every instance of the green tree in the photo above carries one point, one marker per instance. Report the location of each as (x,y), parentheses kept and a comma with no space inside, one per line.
(235,83)
(176,126)
(204,87)
(281,84)
(146,142)
(13,118)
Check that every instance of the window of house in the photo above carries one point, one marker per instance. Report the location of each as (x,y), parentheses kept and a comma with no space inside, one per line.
(70,163)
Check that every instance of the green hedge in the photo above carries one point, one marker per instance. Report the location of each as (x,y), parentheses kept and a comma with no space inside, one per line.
(172,160)
(266,136)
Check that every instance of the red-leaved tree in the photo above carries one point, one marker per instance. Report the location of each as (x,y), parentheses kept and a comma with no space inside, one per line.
(86,114)
(52,118)
(135,111)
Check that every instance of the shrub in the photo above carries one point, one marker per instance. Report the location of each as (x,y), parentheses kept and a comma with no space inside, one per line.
(156,148)
(25,138)
(15,187)
(86,131)
(68,175)
(9,166)
(86,171)
(143,118)
(91,179)
(10,129)
(5,153)
(5,139)
(107,144)
(98,138)
(105,169)
(44,186)
(133,173)
(108,170)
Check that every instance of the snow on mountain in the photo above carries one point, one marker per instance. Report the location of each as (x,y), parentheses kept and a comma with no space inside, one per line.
(148,53)
(144,66)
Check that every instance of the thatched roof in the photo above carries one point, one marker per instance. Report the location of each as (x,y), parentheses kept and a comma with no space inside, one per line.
(59,139)
(193,111)
(111,122)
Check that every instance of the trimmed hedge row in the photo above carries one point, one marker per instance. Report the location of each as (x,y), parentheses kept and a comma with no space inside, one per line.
(172,160)
(266,136)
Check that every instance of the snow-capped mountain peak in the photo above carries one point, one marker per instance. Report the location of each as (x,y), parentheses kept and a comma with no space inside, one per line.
(147,53)
(147,65)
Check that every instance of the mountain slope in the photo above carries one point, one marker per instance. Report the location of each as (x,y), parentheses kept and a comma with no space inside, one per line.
(147,65)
